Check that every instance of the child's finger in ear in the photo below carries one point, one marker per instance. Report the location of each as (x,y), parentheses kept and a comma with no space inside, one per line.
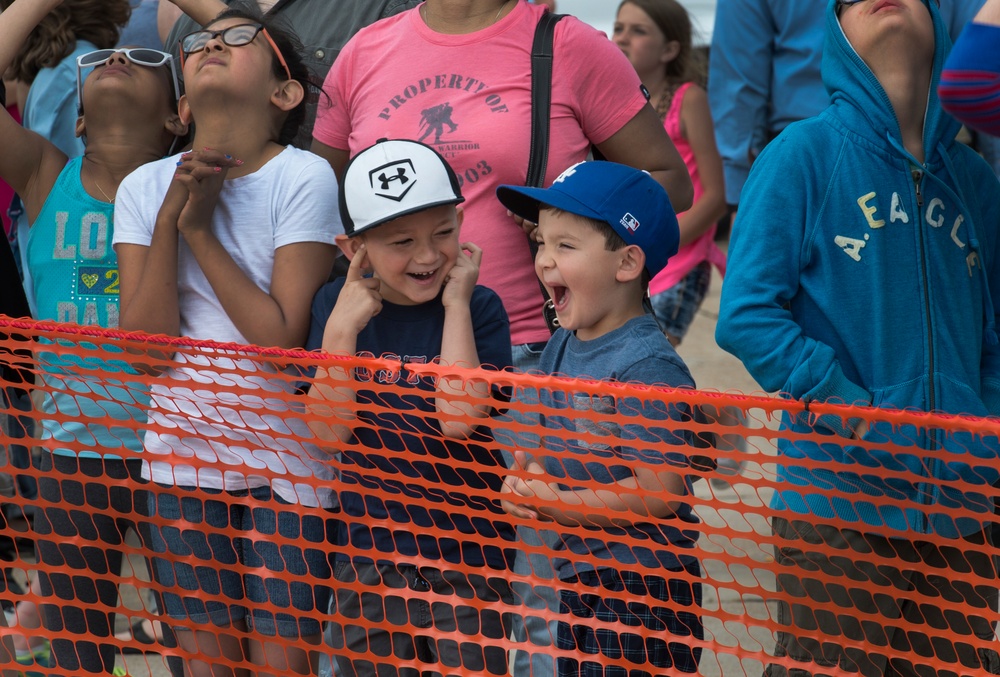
(355,271)
(474,252)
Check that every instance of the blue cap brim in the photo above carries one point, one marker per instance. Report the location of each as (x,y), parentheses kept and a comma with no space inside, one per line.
(525,202)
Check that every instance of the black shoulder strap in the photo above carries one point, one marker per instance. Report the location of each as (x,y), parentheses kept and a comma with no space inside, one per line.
(541,97)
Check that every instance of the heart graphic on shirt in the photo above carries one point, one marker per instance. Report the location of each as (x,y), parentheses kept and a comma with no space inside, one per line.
(89,279)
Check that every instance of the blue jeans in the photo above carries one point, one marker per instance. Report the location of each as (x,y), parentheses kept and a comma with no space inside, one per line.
(195,564)
(274,544)
(86,507)
(526,356)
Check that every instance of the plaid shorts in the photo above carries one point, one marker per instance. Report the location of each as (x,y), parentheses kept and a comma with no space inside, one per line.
(676,307)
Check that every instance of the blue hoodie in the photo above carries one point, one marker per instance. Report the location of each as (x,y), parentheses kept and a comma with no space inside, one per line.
(858,275)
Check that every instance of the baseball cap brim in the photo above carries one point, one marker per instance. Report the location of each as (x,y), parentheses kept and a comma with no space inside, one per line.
(399,215)
(525,202)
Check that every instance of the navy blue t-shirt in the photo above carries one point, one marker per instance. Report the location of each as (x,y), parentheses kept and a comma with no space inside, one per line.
(421,514)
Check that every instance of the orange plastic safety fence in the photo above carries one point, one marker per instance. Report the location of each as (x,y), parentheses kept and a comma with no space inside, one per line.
(266,515)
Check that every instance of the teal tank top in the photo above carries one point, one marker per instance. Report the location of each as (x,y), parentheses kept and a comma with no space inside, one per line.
(75,273)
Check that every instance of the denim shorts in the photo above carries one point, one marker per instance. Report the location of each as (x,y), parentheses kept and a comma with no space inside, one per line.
(525,357)
(294,550)
(675,308)
(200,572)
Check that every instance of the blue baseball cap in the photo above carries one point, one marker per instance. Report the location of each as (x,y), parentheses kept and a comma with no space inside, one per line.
(627,199)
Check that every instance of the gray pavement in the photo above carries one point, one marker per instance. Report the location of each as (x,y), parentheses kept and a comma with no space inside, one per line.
(743,586)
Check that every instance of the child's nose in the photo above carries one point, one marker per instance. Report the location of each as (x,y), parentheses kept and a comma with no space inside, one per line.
(542,260)
(215,42)
(426,253)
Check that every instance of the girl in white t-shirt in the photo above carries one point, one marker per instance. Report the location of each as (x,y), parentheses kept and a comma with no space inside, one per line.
(229,242)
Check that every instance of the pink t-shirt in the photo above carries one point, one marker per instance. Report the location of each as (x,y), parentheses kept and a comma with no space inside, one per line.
(469,97)
(704,248)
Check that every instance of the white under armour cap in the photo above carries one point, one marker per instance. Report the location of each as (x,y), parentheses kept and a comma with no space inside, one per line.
(391,179)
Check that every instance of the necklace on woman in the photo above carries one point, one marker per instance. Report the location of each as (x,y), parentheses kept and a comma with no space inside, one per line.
(497,17)
(424,12)
(666,98)
(107,198)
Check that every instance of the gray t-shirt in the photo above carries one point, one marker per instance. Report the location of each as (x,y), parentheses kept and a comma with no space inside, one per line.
(637,352)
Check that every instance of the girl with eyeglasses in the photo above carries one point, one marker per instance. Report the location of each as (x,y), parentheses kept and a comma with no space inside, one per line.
(125,103)
(229,242)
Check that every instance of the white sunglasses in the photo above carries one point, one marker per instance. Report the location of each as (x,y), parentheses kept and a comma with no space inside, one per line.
(140,56)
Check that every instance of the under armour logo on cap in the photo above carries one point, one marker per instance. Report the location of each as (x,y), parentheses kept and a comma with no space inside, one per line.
(387,177)
(391,179)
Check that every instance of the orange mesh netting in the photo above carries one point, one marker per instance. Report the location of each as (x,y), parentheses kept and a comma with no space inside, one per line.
(581,526)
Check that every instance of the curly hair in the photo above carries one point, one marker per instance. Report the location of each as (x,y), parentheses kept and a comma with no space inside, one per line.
(97,21)
(292,51)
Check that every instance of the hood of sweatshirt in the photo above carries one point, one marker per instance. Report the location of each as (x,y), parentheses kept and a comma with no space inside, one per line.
(851,83)
(857,93)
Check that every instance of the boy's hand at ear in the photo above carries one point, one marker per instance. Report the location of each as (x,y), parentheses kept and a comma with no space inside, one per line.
(358,303)
(461,279)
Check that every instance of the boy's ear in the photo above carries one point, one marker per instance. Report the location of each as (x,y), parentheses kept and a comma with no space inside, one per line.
(348,245)
(459,215)
(288,95)
(631,263)
(81,127)
(184,110)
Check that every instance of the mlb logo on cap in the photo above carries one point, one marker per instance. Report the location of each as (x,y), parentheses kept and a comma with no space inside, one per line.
(627,199)
(391,179)
(630,222)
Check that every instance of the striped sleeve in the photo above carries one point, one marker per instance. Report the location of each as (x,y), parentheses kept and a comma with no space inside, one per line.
(970,82)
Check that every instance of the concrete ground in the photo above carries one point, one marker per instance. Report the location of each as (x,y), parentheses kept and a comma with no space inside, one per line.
(742,586)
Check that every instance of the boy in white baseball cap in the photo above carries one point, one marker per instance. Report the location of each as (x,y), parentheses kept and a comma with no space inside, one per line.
(410,294)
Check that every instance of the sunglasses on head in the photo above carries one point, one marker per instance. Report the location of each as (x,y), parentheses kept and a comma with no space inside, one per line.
(140,56)
(234,36)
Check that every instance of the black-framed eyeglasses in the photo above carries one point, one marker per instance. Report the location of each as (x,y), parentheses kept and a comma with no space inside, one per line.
(140,56)
(233,36)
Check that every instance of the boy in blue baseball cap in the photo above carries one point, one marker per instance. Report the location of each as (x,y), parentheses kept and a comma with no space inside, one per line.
(604,230)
